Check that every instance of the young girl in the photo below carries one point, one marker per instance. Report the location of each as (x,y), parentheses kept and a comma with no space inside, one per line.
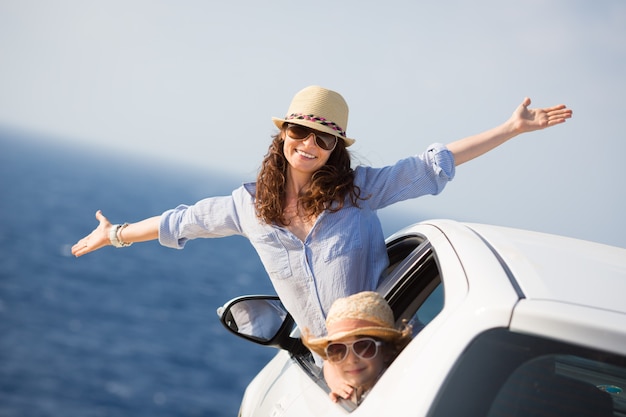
(362,341)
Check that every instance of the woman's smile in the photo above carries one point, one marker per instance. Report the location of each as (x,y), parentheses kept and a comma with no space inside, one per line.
(305,154)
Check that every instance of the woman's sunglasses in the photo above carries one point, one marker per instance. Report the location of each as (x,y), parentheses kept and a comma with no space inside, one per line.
(364,348)
(325,141)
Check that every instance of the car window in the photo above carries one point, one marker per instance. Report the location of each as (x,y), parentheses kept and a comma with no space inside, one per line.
(398,250)
(519,375)
(428,310)
(414,289)
(412,286)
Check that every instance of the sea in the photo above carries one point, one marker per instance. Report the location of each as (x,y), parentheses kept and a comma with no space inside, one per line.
(118,332)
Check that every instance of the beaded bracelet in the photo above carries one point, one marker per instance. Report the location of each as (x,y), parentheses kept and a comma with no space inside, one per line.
(114,236)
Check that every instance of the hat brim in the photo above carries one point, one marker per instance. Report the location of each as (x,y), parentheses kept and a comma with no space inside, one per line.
(318,345)
(315,126)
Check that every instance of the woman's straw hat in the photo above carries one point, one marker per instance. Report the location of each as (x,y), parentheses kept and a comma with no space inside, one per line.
(320,109)
(362,314)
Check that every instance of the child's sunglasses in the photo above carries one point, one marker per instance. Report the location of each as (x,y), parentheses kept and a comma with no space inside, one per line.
(364,348)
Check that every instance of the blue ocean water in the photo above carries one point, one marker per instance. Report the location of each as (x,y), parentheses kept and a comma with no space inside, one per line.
(119,332)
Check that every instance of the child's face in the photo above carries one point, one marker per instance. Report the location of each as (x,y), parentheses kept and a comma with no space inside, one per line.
(359,372)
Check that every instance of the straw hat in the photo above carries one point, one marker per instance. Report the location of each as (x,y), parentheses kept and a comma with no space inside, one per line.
(320,109)
(363,314)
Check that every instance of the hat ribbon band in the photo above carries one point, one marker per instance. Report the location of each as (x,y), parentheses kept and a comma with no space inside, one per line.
(316,119)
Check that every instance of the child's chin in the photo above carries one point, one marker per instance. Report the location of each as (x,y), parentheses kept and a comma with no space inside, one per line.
(361,382)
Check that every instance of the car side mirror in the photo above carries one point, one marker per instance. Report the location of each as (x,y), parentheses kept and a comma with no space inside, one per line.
(261,319)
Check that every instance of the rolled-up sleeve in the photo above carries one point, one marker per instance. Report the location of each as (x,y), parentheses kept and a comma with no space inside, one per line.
(442,161)
(427,173)
(209,218)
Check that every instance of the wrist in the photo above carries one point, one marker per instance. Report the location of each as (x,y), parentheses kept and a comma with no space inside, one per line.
(513,128)
(114,236)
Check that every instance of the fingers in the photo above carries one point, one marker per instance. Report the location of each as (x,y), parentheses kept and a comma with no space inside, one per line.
(558,114)
(85,245)
(95,240)
(562,112)
(559,110)
(335,396)
(556,108)
(80,248)
(345,392)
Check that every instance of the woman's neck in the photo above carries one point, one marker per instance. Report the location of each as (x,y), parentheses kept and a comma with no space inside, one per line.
(298,222)
(295,182)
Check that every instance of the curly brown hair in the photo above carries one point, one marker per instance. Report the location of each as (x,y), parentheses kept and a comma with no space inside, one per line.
(327,190)
(396,346)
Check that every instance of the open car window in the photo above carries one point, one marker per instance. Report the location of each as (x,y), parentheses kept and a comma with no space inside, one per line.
(412,286)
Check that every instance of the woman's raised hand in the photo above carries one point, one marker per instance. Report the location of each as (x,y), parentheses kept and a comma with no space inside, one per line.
(528,120)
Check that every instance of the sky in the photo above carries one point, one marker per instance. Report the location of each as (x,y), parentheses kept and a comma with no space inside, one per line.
(195,84)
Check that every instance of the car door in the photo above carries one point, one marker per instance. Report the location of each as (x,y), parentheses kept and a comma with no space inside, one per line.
(293,384)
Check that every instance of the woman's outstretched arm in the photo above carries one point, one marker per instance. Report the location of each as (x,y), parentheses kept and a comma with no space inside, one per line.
(523,120)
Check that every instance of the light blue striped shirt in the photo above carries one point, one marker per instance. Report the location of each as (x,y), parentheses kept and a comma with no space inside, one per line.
(344,252)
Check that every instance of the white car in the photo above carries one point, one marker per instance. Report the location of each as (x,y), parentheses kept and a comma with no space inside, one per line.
(507,323)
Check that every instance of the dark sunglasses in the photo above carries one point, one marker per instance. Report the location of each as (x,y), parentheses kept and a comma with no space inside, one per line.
(364,348)
(325,141)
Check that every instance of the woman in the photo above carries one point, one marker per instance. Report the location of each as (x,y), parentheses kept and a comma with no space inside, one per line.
(361,343)
(310,216)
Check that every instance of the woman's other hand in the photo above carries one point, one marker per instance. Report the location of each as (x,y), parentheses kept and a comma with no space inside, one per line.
(96,239)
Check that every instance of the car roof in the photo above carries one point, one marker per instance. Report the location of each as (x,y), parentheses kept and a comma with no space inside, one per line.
(558,268)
